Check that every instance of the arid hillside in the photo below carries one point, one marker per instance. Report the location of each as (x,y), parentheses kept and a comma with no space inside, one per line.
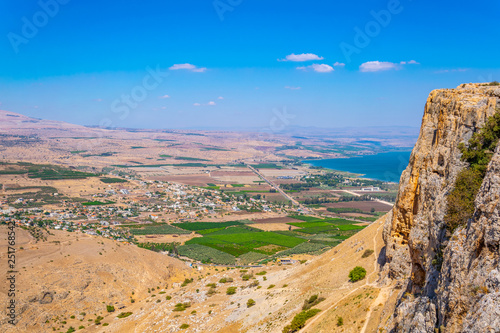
(67,280)
(66,274)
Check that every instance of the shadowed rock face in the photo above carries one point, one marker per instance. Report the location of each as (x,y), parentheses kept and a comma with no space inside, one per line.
(463,294)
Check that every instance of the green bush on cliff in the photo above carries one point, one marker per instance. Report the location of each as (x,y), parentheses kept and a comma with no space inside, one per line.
(357,273)
(478,153)
(299,321)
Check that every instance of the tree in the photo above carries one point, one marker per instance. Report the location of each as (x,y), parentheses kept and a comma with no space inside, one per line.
(357,273)
(250,303)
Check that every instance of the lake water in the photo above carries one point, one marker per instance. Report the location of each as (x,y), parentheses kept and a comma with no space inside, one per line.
(384,166)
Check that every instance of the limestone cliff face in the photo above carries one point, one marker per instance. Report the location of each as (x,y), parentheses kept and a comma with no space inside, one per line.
(449,284)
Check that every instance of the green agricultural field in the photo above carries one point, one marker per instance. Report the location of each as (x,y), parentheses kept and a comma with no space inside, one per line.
(267,166)
(309,248)
(158,247)
(223,242)
(309,224)
(266,237)
(97,203)
(239,229)
(208,231)
(239,240)
(54,172)
(155,229)
(113,180)
(305,218)
(185,158)
(195,226)
(13,172)
(206,254)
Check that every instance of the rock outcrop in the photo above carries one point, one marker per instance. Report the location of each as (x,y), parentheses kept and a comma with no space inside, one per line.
(449,283)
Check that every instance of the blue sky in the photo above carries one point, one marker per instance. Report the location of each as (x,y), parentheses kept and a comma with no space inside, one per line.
(232,63)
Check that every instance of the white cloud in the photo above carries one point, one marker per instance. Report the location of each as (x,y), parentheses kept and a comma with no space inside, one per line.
(377,66)
(211,103)
(451,70)
(189,67)
(339,64)
(293,88)
(196,104)
(320,68)
(220,97)
(301,57)
(164,96)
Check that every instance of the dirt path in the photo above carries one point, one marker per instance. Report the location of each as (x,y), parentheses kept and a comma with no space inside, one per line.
(381,299)
(366,284)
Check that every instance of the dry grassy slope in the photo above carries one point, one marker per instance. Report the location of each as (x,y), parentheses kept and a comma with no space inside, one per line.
(73,273)
(327,275)
(81,279)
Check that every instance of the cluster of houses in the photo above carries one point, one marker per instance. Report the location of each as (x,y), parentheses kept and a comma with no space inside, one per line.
(146,202)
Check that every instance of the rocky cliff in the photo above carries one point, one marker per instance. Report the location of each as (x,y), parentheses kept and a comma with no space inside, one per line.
(448,282)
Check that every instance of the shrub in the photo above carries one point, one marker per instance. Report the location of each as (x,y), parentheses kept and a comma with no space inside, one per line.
(97,321)
(110,308)
(253,284)
(225,280)
(246,277)
(231,290)
(250,303)
(461,199)
(124,315)
(299,320)
(182,306)
(477,153)
(71,329)
(186,282)
(340,321)
(312,301)
(261,273)
(184,326)
(367,253)
(211,291)
(271,286)
(358,273)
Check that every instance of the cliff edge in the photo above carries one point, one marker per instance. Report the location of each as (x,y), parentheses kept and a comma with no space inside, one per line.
(447,282)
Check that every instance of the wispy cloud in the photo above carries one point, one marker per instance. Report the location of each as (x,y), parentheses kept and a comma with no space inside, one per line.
(188,67)
(164,96)
(301,57)
(451,70)
(293,88)
(211,103)
(339,64)
(220,97)
(320,68)
(378,66)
